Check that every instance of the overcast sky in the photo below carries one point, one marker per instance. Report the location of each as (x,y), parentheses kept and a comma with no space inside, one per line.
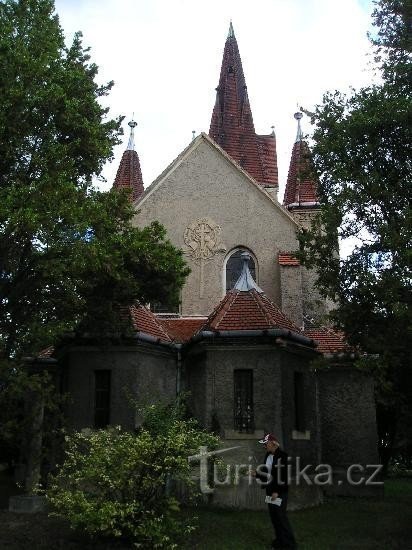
(165,55)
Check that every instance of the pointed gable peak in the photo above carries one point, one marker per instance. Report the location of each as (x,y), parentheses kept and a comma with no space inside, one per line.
(129,173)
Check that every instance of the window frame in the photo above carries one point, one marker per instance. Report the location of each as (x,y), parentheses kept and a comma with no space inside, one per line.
(250,427)
(227,258)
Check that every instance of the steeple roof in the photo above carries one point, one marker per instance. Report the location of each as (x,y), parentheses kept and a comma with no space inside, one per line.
(232,125)
(129,174)
(301,187)
(246,307)
(248,310)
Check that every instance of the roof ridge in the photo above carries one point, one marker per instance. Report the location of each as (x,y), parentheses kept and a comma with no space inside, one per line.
(138,306)
(259,301)
(226,305)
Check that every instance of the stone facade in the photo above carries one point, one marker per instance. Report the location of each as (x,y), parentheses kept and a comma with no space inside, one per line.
(141,374)
(204,183)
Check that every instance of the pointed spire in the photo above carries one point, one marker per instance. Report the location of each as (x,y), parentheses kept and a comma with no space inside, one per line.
(129,174)
(130,145)
(232,125)
(246,281)
(301,186)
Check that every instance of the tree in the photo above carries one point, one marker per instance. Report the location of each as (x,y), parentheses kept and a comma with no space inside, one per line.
(362,155)
(70,258)
(117,483)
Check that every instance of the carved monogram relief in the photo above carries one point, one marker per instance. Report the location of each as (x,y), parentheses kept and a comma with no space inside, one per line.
(202,238)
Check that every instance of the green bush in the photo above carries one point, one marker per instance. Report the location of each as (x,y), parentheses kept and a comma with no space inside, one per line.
(116,483)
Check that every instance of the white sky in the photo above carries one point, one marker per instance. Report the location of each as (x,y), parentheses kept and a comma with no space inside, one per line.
(165,57)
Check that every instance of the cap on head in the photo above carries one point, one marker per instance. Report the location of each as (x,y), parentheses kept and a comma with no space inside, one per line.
(267,438)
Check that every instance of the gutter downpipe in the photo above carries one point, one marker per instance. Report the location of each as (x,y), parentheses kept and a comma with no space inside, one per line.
(178,348)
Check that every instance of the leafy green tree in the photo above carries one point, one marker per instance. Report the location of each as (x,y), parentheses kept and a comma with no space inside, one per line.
(69,256)
(117,484)
(362,155)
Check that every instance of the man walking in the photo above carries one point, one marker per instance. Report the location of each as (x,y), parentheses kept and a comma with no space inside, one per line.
(275,481)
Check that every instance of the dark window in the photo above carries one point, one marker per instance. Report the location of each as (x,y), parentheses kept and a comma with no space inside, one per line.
(101,398)
(243,392)
(299,402)
(234,268)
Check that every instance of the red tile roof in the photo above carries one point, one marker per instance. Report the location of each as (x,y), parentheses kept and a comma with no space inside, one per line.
(329,340)
(288,259)
(183,328)
(129,174)
(46,353)
(232,125)
(301,186)
(249,310)
(143,320)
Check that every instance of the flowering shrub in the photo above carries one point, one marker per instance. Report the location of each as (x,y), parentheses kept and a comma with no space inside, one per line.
(115,483)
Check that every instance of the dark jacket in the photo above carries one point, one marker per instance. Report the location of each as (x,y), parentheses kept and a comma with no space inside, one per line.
(278,479)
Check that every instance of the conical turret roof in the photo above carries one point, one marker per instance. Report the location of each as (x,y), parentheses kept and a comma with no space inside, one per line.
(301,186)
(129,174)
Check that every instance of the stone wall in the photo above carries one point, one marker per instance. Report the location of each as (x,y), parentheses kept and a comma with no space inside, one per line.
(291,293)
(348,417)
(205,185)
(145,373)
(306,442)
(314,306)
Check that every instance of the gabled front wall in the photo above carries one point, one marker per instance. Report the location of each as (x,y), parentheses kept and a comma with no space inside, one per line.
(205,185)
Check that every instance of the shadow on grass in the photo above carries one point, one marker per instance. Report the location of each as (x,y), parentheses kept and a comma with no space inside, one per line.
(339,524)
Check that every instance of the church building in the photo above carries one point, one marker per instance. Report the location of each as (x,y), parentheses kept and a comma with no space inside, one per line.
(250,330)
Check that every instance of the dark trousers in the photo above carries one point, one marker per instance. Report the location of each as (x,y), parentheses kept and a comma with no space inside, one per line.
(281,525)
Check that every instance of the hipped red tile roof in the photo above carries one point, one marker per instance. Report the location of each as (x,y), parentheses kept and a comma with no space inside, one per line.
(46,353)
(249,310)
(182,329)
(329,340)
(301,186)
(232,125)
(129,174)
(288,259)
(143,320)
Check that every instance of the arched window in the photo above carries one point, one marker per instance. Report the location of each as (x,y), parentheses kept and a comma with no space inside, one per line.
(233,267)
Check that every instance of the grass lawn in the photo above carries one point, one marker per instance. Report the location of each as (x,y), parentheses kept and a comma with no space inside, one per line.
(339,524)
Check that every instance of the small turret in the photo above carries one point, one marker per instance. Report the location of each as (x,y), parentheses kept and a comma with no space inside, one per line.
(301,186)
(129,174)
